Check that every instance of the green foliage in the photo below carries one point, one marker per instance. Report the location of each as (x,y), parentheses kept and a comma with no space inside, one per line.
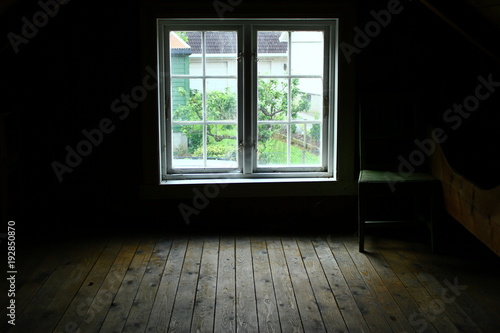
(222,105)
(315,132)
(273,99)
(193,108)
(275,153)
(183,35)
(222,150)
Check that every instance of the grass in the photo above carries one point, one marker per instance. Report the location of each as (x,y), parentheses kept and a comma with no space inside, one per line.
(275,152)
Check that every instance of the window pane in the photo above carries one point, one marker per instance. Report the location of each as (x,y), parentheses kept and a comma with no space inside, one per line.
(187,99)
(272,147)
(187,146)
(222,146)
(287,120)
(272,51)
(221,100)
(305,144)
(185,52)
(307,52)
(307,95)
(221,49)
(272,99)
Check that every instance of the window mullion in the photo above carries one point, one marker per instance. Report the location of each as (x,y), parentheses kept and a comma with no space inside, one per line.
(204,99)
(289,127)
(248,80)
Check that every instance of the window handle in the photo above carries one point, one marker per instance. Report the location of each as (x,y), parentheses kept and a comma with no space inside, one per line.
(255,58)
(240,56)
(241,145)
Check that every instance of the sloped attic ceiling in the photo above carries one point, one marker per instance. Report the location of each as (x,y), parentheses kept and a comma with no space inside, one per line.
(477,20)
(490,9)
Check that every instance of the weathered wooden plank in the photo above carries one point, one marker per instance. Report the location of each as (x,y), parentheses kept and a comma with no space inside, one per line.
(393,314)
(182,313)
(479,272)
(332,318)
(53,255)
(204,308)
(438,284)
(122,301)
(476,209)
(258,273)
(267,312)
(367,304)
(159,319)
(225,311)
(479,275)
(423,318)
(290,318)
(312,320)
(93,314)
(76,311)
(49,304)
(143,302)
(246,308)
(444,303)
(345,300)
(398,290)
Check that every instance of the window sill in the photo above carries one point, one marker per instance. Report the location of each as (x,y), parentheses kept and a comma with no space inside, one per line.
(243,181)
(252,187)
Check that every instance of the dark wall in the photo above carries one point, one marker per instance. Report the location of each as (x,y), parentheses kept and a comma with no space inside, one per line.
(64,80)
(419,53)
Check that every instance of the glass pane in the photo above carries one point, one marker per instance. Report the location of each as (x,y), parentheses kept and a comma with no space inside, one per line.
(221,99)
(314,138)
(272,99)
(307,101)
(221,52)
(187,146)
(272,51)
(187,99)
(272,145)
(185,52)
(307,52)
(222,147)
(304,148)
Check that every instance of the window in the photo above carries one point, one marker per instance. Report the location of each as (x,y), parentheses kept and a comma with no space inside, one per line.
(247,98)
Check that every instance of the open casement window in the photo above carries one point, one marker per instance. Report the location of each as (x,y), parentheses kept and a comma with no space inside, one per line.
(247,98)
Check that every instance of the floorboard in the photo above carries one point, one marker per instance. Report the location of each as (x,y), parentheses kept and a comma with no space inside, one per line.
(225,312)
(290,318)
(246,308)
(256,283)
(267,311)
(204,310)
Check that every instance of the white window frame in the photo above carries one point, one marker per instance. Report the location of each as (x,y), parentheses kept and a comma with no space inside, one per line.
(247,97)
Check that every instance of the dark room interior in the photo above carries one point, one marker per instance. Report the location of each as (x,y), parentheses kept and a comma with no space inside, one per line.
(102,225)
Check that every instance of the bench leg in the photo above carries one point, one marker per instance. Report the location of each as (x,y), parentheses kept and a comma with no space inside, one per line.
(361,222)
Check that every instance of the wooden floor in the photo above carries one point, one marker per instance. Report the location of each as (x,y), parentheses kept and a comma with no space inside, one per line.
(248,283)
